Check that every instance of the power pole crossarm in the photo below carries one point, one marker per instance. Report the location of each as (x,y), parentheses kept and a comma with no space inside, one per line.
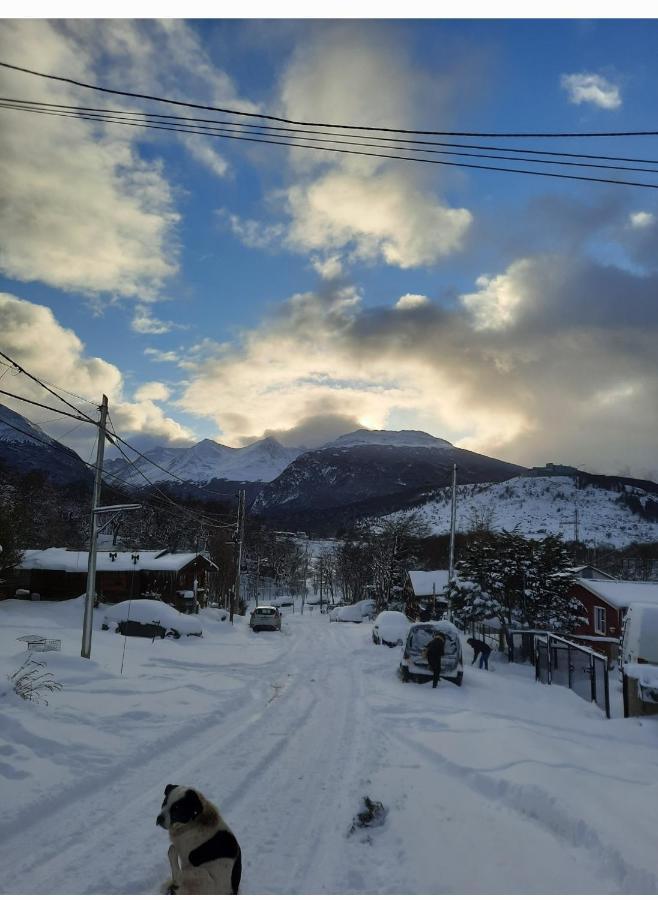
(91,564)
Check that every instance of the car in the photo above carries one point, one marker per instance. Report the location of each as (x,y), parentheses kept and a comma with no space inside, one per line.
(414,666)
(265,617)
(639,638)
(145,617)
(390,628)
(355,612)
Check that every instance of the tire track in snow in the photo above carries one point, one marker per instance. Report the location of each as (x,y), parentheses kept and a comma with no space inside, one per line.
(537,804)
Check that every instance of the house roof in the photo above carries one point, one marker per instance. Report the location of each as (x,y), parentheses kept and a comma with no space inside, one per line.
(621,594)
(61,560)
(424,584)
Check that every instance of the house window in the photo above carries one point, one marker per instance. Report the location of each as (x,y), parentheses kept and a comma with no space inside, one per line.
(599,620)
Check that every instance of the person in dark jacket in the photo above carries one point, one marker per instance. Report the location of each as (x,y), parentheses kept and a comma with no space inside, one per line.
(434,653)
(482,650)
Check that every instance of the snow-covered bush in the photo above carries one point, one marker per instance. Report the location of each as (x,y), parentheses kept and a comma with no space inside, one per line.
(30,681)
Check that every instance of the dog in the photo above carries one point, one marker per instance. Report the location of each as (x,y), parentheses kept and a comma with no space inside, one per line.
(204,855)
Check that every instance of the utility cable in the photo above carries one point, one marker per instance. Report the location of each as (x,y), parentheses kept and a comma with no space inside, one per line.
(209,131)
(272,118)
(416,159)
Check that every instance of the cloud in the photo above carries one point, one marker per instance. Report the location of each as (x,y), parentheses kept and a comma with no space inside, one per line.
(328,267)
(162,355)
(144,322)
(535,363)
(33,337)
(412,301)
(641,219)
(152,390)
(312,431)
(360,208)
(585,87)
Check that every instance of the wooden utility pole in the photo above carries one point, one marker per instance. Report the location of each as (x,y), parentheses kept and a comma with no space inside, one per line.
(93,536)
(239,535)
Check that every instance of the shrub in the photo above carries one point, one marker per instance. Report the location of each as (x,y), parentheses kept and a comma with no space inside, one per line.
(30,681)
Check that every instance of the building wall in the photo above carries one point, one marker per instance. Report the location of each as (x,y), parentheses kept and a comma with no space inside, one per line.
(613,623)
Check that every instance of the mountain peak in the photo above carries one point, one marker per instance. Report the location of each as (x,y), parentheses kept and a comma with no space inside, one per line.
(365,436)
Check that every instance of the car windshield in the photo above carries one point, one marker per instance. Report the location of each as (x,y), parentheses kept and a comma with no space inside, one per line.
(265,612)
(419,638)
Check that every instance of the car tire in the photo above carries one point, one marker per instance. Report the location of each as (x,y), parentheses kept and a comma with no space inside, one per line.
(458,680)
(404,674)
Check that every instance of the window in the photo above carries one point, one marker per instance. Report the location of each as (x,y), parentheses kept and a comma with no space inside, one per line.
(599,620)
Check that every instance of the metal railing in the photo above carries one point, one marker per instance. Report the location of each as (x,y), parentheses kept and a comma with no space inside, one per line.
(558,661)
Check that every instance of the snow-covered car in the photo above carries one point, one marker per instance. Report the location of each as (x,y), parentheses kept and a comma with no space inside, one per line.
(144,617)
(639,639)
(390,628)
(265,617)
(357,612)
(414,666)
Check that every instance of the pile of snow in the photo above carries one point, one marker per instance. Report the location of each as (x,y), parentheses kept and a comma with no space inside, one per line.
(390,628)
(151,612)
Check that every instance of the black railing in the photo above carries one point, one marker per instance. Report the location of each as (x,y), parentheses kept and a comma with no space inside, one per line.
(558,661)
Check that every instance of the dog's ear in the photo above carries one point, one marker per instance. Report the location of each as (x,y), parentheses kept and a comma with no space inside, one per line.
(169,789)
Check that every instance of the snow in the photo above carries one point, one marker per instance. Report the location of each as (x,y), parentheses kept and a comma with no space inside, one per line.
(425,584)
(539,506)
(10,435)
(391,626)
(500,786)
(261,461)
(149,611)
(355,612)
(365,437)
(621,594)
(58,559)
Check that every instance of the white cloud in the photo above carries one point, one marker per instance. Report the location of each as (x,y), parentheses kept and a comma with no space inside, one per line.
(641,219)
(162,355)
(328,267)
(144,322)
(585,87)
(253,233)
(498,299)
(412,301)
(152,390)
(35,339)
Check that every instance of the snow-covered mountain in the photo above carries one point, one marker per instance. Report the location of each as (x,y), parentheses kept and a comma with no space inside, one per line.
(25,447)
(369,473)
(610,511)
(261,461)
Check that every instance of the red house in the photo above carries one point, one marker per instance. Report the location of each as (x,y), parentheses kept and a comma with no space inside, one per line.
(606,602)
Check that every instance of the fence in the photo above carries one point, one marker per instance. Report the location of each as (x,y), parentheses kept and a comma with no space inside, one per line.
(521,644)
(558,661)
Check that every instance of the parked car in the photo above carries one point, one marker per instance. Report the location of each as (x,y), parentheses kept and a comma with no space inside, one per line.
(356,612)
(413,665)
(144,617)
(390,628)
(639,638)
(265,617)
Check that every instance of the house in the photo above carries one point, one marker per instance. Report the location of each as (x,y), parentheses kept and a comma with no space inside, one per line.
(422,593)
(606,602)
(61,574)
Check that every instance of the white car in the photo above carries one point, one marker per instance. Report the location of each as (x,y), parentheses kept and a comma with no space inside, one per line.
(356,612)
(390,628)
(414,666)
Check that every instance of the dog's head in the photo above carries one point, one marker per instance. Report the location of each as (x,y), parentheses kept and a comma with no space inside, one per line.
(181,805)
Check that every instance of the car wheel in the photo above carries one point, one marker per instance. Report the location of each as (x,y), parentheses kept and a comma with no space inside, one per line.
(404,674)
(458,680)
(255,628)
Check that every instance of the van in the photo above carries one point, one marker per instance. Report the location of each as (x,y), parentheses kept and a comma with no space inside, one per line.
(414,665)
(639,638)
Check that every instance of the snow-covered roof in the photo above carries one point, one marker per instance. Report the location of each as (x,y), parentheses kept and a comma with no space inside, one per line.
(61,560)
(621,594)
(424,584)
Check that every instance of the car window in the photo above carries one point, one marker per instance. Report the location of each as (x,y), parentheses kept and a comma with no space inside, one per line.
(419,638)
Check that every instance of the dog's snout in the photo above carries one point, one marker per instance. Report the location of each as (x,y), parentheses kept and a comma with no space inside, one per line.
(160,820)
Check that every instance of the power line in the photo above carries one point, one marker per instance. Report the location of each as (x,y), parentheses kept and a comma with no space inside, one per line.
(416,159)
(45,406)
(42,105)
(221,131)
(45,387)
(272,118)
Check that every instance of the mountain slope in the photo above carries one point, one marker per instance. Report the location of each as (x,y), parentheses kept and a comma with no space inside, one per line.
(26,448)
(614,511)
(353,476)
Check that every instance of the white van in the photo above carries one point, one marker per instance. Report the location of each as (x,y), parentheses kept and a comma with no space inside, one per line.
(639,639)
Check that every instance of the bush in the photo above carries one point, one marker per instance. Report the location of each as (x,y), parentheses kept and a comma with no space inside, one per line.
(30,681)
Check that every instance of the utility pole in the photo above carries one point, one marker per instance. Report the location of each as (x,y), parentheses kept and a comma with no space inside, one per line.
(93,537)
(238,553)
(453,523)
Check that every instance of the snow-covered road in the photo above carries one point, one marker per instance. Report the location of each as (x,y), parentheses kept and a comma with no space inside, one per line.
(500,786)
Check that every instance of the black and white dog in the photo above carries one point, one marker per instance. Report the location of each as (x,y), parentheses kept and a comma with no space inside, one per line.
(204,855)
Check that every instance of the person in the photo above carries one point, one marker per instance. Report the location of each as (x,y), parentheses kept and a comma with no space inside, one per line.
(480,649)
(434,654)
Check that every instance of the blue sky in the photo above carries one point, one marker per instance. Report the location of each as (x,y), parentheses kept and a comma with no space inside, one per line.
(226,290)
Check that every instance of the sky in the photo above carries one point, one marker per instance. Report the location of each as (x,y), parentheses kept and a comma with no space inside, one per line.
(227,290)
